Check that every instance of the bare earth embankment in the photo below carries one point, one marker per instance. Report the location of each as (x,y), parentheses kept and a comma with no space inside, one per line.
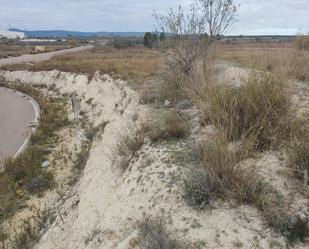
(105,207)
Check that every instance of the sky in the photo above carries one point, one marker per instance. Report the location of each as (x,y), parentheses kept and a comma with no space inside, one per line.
(254,17)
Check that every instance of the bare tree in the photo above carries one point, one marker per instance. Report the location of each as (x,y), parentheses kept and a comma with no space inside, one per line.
(190,33)
(219,15)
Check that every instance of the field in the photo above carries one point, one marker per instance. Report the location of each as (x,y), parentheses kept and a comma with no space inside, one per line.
(131,63)
(280,58)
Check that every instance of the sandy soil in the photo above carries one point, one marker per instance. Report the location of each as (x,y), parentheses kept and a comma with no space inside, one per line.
(105,205)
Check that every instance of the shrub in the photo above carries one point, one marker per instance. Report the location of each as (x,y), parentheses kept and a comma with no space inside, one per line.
(258,109)
(150,39)
(172,86)
(171,125)
(199,188)
(291,226)
(223,162)
(234,177)
(154,235)
(129,144)
(40,183)
(30,230)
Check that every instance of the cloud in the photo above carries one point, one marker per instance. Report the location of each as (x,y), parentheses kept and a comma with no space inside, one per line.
(254,17)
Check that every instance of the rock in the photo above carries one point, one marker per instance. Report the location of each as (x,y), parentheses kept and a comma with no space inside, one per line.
(185,104)
(45,164)
(167,103)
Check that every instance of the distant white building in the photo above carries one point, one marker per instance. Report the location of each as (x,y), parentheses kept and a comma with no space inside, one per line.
(12,34)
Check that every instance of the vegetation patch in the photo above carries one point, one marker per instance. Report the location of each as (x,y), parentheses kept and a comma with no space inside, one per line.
(259,109)
(285,62)
(129,144)
(225,172)
(32,228)
(170,125)
(25,175)
(154,235)
(302,42)
(298,158)
(199,188)
(126,63)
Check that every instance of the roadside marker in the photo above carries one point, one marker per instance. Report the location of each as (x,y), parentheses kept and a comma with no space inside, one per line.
(75,109)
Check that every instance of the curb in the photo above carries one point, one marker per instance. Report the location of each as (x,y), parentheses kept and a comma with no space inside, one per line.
(34,123)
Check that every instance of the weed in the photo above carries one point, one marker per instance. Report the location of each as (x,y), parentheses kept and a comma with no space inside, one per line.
(129,144)
(291,226)
(28,234)
(154,235)
(199,188)
(171,125)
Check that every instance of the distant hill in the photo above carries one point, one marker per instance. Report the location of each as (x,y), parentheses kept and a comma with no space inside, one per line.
(66,34)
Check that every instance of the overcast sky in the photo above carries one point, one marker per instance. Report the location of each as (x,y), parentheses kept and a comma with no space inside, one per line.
(254,16)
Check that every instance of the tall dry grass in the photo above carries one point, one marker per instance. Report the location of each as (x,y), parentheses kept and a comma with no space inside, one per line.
(286,62)
(258,109)
(256,115)
(224,172)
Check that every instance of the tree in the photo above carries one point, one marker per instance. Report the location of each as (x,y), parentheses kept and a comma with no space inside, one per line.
(162,36)
(219,15)
(150,39)
(190,33)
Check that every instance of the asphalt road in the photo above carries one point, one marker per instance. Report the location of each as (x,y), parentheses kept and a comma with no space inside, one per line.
(40,57)
(17,114)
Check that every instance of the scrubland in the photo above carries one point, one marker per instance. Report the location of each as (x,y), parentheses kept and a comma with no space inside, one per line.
(210,139)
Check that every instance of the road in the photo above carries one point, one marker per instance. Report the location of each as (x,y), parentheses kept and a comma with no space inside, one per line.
(40,57)
(17,114)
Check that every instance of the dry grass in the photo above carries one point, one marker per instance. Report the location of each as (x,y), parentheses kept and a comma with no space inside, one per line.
(135,63)
(302,42)
(285,61)
(224,163)
(298,157)
(25,175)
(28,234)
(259,109)
(199,188)
(170,125)
(154,235)
(255,116)
(130,142)
(224,172)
